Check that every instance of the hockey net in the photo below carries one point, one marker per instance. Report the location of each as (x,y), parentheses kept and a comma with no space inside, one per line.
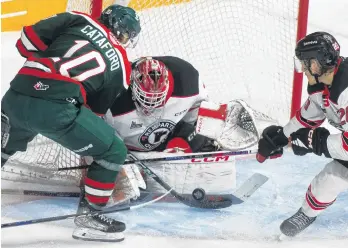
(243,50)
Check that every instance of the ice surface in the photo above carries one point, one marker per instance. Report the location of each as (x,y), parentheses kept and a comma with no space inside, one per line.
(252,224)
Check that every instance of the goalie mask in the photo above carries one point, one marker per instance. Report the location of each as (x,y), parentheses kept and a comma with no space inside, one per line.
(150,85)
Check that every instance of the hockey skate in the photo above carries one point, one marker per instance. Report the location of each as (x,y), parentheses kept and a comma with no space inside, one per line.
(296,223)
(96,227)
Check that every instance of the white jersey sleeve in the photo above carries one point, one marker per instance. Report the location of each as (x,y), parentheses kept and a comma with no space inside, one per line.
(192,114)
(309,116)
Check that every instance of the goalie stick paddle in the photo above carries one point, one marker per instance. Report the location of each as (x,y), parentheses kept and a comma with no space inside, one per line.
(176,158)
(69,216)
(198,199)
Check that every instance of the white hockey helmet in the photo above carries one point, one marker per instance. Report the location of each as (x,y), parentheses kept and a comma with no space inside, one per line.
(150,85)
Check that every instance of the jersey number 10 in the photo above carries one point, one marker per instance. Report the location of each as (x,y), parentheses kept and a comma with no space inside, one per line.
(88,57)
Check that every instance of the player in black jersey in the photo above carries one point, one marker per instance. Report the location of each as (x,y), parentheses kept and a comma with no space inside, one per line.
(318,56)
(76,67)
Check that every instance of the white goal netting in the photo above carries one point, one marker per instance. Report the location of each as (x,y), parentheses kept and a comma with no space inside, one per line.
(243,49)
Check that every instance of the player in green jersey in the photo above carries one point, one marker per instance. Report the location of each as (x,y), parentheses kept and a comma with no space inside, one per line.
(76,67)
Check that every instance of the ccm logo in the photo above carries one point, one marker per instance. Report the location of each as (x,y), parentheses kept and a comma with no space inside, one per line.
(214,159)
(310,140)
(199,124)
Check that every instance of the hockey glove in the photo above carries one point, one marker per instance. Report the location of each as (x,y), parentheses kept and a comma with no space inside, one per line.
(271,143)
(307,140)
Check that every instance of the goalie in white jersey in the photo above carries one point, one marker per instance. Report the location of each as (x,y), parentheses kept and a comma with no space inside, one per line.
(318,56)
(160,110)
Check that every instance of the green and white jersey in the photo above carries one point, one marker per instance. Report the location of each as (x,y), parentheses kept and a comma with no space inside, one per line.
(71,56)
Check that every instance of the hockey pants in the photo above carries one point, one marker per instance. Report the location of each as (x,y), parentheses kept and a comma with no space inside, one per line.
(325,187)
(76,128)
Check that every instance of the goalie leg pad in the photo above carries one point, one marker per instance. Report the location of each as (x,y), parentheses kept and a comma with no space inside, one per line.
(127,185)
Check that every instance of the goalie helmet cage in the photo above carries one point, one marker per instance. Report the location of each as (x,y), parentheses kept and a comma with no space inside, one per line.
(242,49)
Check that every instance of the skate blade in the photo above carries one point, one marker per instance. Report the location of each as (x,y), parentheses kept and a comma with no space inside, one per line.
(282,237)
(88,234)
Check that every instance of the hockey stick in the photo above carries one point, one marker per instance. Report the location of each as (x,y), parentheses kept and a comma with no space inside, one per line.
(177,158)
(238,196)
(198,199)
(69,216)
(144,196)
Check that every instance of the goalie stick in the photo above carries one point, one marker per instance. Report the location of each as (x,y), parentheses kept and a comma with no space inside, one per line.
(177,158)
(239,196)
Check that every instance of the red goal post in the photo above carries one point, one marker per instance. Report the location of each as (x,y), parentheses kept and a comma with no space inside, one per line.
(302,22)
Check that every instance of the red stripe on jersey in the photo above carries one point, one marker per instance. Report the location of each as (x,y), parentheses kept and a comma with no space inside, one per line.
(298,117)
(306,124)
(220,113)
(97,199)
(338,64)
(345,141)
(47,75)
(22,50)
(99,185)
(34,38)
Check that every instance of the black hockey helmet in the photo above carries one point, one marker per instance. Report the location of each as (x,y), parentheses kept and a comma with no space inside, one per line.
(319,46)
(123,22)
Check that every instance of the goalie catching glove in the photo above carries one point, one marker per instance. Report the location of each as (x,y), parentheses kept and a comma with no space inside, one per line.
(232,125)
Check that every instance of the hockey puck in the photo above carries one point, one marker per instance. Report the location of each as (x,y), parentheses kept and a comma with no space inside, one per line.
(198,194)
